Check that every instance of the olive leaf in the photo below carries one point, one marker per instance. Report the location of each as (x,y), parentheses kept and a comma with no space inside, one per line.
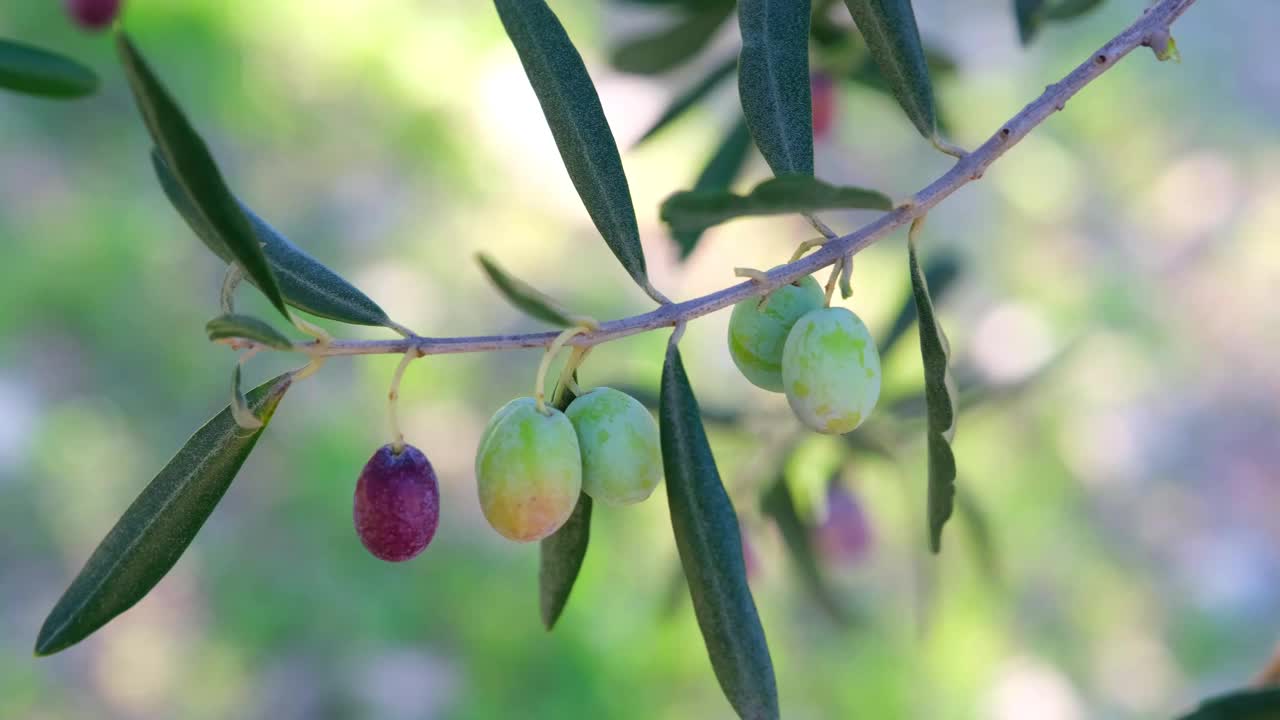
(1247,704)
(710,546)
(572,109)
(722,169)
(889,29)
(1029,15)
(33,71)
(940,398)
(561,558)
(697,210)
(940,273)
(524,296)
(307,283)
(196,172)
(560,555)
(689,98)
(778,503)
(654,53)
(245,327)
(153,533)
(773,81)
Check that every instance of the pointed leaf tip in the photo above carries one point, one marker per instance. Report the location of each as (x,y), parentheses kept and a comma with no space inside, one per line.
(307,283)
(152,534)
(710,547)
(940,399)
(34,71)
(523,296)
(560,556)
(889,29)
(572,109)
(245,327)
(184,152)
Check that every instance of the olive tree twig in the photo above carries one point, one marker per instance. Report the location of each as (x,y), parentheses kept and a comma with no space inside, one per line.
(1149,30)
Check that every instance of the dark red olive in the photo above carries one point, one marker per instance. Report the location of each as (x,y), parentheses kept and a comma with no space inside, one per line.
(845,536)
(397,503)
(93,14)
(823,98)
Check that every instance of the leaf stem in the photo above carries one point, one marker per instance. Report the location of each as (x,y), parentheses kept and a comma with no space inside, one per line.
(393,398)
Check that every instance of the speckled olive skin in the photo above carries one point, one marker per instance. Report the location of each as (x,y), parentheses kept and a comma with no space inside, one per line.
(621,458)
(93,14)
(831,370)
(493,423)
(529,472)
(397,503)
(757,336)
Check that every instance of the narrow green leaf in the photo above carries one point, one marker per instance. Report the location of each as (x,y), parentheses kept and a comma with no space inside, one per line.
(721,171)
(773,80)
(889,29)
(778,503)
(572,108)
(524,296)
(153,533)
(940,398)
(710,547)
(33,71)
(689,98)
(939,275)
(696,210)
(307,283)
(245,327)
(1247,704)
(195,170)
(561,554)
(655,53)
(561,558)
(1029,15)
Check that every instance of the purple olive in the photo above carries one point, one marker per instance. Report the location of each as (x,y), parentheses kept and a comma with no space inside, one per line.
(397,504)
(845,535)
(93,14)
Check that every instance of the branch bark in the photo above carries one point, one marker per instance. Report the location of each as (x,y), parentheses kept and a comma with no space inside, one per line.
(1148,30)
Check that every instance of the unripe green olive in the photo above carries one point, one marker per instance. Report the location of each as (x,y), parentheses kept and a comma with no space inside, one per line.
(757,335)
(493,423)
(621,459)
(831,370)
(528,471)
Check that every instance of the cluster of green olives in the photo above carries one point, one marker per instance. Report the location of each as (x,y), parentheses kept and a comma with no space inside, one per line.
(823,358)
(533,462)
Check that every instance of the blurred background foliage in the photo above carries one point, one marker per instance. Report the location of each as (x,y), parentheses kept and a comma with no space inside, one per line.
(1128,562)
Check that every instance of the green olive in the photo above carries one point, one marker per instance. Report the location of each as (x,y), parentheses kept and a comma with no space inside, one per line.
(528,471)
(621,458)
(831,370)
(757,335)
